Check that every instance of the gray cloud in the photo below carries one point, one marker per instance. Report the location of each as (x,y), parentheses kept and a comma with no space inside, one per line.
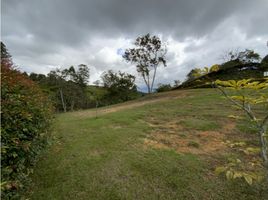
(43,34)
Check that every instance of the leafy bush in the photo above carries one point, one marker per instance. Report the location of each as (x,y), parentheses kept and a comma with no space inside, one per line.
(120,87)
(26,115)
(163,88)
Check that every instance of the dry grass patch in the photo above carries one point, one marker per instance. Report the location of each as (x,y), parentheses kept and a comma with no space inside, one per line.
(198,142)
(173,135)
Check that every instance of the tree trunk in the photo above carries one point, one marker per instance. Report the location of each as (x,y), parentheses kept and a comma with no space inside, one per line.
(147,84)
(149,88)
(155,67)
(263,146)
(72,105)
(62,101)
(97,104)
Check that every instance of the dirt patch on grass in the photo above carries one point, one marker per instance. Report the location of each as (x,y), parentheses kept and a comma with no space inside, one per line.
(93,153)
(116,127)
(155,144)
(229,126)
(196,142)
(57,149)
(172,126)
(173,135)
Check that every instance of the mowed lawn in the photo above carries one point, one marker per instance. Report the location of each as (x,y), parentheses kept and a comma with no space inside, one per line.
(166,149)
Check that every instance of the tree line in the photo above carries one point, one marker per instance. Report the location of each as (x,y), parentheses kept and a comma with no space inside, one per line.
(68,88)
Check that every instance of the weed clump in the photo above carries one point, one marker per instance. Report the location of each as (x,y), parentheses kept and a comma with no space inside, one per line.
(193,144)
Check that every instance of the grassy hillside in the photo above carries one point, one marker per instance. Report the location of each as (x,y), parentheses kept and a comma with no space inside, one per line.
(164,146)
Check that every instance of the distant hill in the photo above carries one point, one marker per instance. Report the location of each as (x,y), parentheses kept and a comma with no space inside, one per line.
(232,70)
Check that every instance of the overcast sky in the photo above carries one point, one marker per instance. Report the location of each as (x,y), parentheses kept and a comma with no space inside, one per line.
(44,34)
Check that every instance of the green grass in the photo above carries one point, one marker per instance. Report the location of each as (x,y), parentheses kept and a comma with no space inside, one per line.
(200,124)
(105,157)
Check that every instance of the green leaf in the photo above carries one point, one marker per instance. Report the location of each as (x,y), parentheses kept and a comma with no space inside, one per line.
(238,175)
(260,178)
(14,155)
(220,170)
(3,183)
(229,175)
(251,150)
(248,179)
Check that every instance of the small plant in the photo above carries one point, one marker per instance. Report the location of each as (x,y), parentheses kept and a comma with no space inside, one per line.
(163,87)
(236,169)
(193,144)
(183,135)
(248,94)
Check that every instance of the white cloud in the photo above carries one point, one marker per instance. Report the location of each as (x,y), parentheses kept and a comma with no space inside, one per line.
(101,54)
(42,37)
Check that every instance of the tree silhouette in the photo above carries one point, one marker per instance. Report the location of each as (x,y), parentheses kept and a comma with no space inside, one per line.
(147,56)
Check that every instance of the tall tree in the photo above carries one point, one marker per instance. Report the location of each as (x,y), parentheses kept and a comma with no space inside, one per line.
(57,79)
(82,75)
(147,55)
(6,58)
(66,87)
(71,86)
(177,83)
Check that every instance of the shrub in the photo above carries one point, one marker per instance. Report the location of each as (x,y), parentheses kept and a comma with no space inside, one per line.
(163,88)
(25,118)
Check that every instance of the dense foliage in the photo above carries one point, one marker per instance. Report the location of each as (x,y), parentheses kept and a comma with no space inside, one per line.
(68,89)
(26,116)
(163,87)
(120,86)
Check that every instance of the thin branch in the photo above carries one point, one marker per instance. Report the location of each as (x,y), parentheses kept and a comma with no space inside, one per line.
(155,67)
(249,113)
(260,126)
(265,121)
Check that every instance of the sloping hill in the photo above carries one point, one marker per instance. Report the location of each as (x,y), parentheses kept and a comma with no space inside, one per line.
(153,98)
(164,146)
(231,70)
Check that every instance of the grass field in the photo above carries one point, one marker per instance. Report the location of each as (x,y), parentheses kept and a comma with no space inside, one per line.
(164,146)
